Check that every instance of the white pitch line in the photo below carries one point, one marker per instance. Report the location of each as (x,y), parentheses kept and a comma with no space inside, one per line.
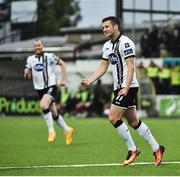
(80,165)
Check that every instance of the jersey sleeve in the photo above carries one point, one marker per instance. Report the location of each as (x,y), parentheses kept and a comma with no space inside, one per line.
(54,59)
(28,63)
(127,49)
(104,54)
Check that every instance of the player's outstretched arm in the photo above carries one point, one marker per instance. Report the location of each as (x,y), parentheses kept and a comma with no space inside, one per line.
(97,74)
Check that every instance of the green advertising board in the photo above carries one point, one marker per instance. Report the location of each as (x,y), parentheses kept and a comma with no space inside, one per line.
(19,105)
(170,106)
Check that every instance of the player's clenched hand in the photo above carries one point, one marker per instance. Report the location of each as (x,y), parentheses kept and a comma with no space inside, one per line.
(27,73)
(61,83)
(85,82)
(123,91)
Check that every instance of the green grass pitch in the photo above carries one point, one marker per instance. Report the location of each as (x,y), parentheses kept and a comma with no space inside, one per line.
(23,144)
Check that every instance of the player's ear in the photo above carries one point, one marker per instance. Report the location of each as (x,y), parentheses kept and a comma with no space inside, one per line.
(116,27)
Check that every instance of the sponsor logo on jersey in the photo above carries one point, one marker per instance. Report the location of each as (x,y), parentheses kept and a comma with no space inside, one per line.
(113,58)
(39,67)
(128,51)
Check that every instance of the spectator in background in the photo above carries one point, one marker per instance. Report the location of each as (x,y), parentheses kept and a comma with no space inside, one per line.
(164,76)
(145,44)
(154,42)
(40,67)
(64,98)
(175,79)
(99,100)
(141,71)
(153,74)
(164,37)
(162,42)
(175,44)
(83,101)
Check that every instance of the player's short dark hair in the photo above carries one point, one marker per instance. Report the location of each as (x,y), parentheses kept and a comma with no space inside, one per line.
(114,20)
(37,39)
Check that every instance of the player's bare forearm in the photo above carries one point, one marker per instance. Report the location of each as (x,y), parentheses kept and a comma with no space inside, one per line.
(130,64)
(63,73)
(130,76)
(97,74)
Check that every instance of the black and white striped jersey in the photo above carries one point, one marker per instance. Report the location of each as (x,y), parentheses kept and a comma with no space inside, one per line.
(43,74)
(116,53)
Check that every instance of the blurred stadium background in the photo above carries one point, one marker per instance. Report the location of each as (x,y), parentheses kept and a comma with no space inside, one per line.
(158,57)
(157,41)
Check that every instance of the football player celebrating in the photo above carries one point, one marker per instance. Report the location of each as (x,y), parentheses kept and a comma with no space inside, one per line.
(119,52)
(40,67)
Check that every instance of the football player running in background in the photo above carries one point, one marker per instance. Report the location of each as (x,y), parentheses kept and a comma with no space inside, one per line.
(40,67)
(119,52)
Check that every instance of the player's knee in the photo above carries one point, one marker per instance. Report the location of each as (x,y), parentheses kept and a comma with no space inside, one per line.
(43,106)
(112,118)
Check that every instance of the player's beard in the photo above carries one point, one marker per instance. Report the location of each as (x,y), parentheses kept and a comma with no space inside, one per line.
(38,52)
